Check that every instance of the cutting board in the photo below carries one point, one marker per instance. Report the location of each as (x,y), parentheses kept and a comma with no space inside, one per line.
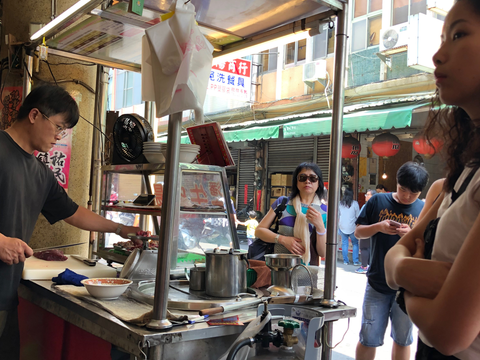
(37,269)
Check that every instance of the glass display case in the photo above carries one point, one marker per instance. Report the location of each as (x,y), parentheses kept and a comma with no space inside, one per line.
(203,217)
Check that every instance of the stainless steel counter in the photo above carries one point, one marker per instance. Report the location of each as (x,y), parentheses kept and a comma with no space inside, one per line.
(206,341)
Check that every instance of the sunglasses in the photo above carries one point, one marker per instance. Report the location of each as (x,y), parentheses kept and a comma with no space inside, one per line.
(304,177)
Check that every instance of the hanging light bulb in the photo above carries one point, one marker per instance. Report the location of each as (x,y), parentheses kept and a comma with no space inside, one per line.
(384,176)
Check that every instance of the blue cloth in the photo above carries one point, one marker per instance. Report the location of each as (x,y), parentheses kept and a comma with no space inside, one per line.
(379,208)
(345,246)
(377,309)
(69,277)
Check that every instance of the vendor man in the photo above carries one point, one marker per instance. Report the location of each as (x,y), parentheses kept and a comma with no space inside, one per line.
(29,188)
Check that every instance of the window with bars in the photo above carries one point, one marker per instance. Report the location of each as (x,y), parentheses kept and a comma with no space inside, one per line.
(366,24)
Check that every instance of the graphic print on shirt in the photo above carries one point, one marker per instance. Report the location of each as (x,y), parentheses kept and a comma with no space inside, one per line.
(391,215)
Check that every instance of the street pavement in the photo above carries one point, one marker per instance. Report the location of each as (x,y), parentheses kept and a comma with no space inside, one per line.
(350,289)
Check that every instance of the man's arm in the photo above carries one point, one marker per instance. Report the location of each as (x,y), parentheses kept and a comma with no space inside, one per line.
(87,220)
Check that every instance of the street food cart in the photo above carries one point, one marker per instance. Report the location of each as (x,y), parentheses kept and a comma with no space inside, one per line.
(234,28)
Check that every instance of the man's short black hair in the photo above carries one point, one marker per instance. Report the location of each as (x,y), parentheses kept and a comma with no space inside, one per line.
(51,100)
(381,187)
(412,176)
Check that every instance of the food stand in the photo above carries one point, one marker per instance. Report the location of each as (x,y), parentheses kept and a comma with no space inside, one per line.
(230,28)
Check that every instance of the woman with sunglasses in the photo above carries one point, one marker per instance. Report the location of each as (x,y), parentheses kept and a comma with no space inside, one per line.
(300,221)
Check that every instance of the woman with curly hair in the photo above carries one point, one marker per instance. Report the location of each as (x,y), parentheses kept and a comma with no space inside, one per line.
(441,295)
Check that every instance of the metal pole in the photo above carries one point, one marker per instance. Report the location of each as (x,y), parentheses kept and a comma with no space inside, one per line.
(96,174)
(335,160)
(27,72)
(159,319)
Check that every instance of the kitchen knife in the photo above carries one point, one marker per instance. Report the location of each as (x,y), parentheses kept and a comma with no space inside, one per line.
(58,247)
(89,262)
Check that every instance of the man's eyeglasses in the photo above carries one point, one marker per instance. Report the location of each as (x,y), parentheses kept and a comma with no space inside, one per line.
(304,177)
(58,129)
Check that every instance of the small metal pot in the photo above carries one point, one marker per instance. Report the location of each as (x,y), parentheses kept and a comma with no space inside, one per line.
(226,272)
(196,278)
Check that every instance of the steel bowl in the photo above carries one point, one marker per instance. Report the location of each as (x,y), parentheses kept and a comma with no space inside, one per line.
(282,262)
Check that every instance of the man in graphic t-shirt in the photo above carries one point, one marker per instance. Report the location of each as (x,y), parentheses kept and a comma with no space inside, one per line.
(385,218)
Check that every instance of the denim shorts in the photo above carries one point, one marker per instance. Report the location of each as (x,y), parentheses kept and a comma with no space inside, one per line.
(377,309)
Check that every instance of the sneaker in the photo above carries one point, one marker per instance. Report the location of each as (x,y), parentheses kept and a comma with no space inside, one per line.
(346,263)
(357,263)
(361,270)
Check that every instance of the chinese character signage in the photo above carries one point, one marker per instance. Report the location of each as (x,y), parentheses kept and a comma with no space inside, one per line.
(11,101)
(58,158)
(201,190)
(231,79)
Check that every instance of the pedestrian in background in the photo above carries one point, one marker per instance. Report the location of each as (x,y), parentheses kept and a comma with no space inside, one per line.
(381,189)
(251,225)
(348,214)
(386,218)
(365,243)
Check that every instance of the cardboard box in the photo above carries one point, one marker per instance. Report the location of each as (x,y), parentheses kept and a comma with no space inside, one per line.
(278,191)
(276,179)
(286,180)
(272,201)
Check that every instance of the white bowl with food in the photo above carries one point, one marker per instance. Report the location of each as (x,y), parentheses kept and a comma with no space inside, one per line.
(106,288)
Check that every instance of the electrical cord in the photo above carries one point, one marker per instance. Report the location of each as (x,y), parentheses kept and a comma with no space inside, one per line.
(345,333)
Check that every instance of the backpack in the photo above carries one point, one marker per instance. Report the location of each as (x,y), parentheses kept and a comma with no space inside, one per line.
(259,248)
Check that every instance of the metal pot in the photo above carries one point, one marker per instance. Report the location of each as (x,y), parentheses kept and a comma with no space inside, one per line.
(226,272)
(196,278)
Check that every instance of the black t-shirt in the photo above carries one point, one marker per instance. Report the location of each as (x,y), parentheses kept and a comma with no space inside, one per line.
(379,208)
(27,188)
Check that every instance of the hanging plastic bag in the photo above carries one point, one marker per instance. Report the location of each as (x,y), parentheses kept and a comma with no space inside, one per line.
(176,63)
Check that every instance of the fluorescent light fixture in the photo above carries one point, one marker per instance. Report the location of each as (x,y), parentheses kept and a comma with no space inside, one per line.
(80,8)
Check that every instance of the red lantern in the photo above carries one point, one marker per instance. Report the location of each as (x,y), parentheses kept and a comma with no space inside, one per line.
(386,145)
(425,147)
(351,147)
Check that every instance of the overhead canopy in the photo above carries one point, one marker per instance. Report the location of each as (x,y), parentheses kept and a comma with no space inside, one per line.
(368,120)
(113,36)
(254,133)
(360,121)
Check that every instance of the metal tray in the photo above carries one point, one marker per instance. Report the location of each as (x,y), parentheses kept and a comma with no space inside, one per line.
(196,300)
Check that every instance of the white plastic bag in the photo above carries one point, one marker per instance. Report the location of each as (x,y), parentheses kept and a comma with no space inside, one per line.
(251,330)
(176,64)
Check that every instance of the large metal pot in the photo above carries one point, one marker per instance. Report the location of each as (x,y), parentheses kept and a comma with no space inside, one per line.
(226,272)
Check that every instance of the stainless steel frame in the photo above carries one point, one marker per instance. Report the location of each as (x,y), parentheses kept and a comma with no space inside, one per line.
(161,291)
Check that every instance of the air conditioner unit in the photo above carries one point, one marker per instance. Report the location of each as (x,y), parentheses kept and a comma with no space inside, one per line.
(394,39)
(424,41)
(313,71)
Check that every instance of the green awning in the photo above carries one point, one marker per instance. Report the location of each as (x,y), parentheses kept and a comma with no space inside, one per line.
(253,133)
(361,121)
